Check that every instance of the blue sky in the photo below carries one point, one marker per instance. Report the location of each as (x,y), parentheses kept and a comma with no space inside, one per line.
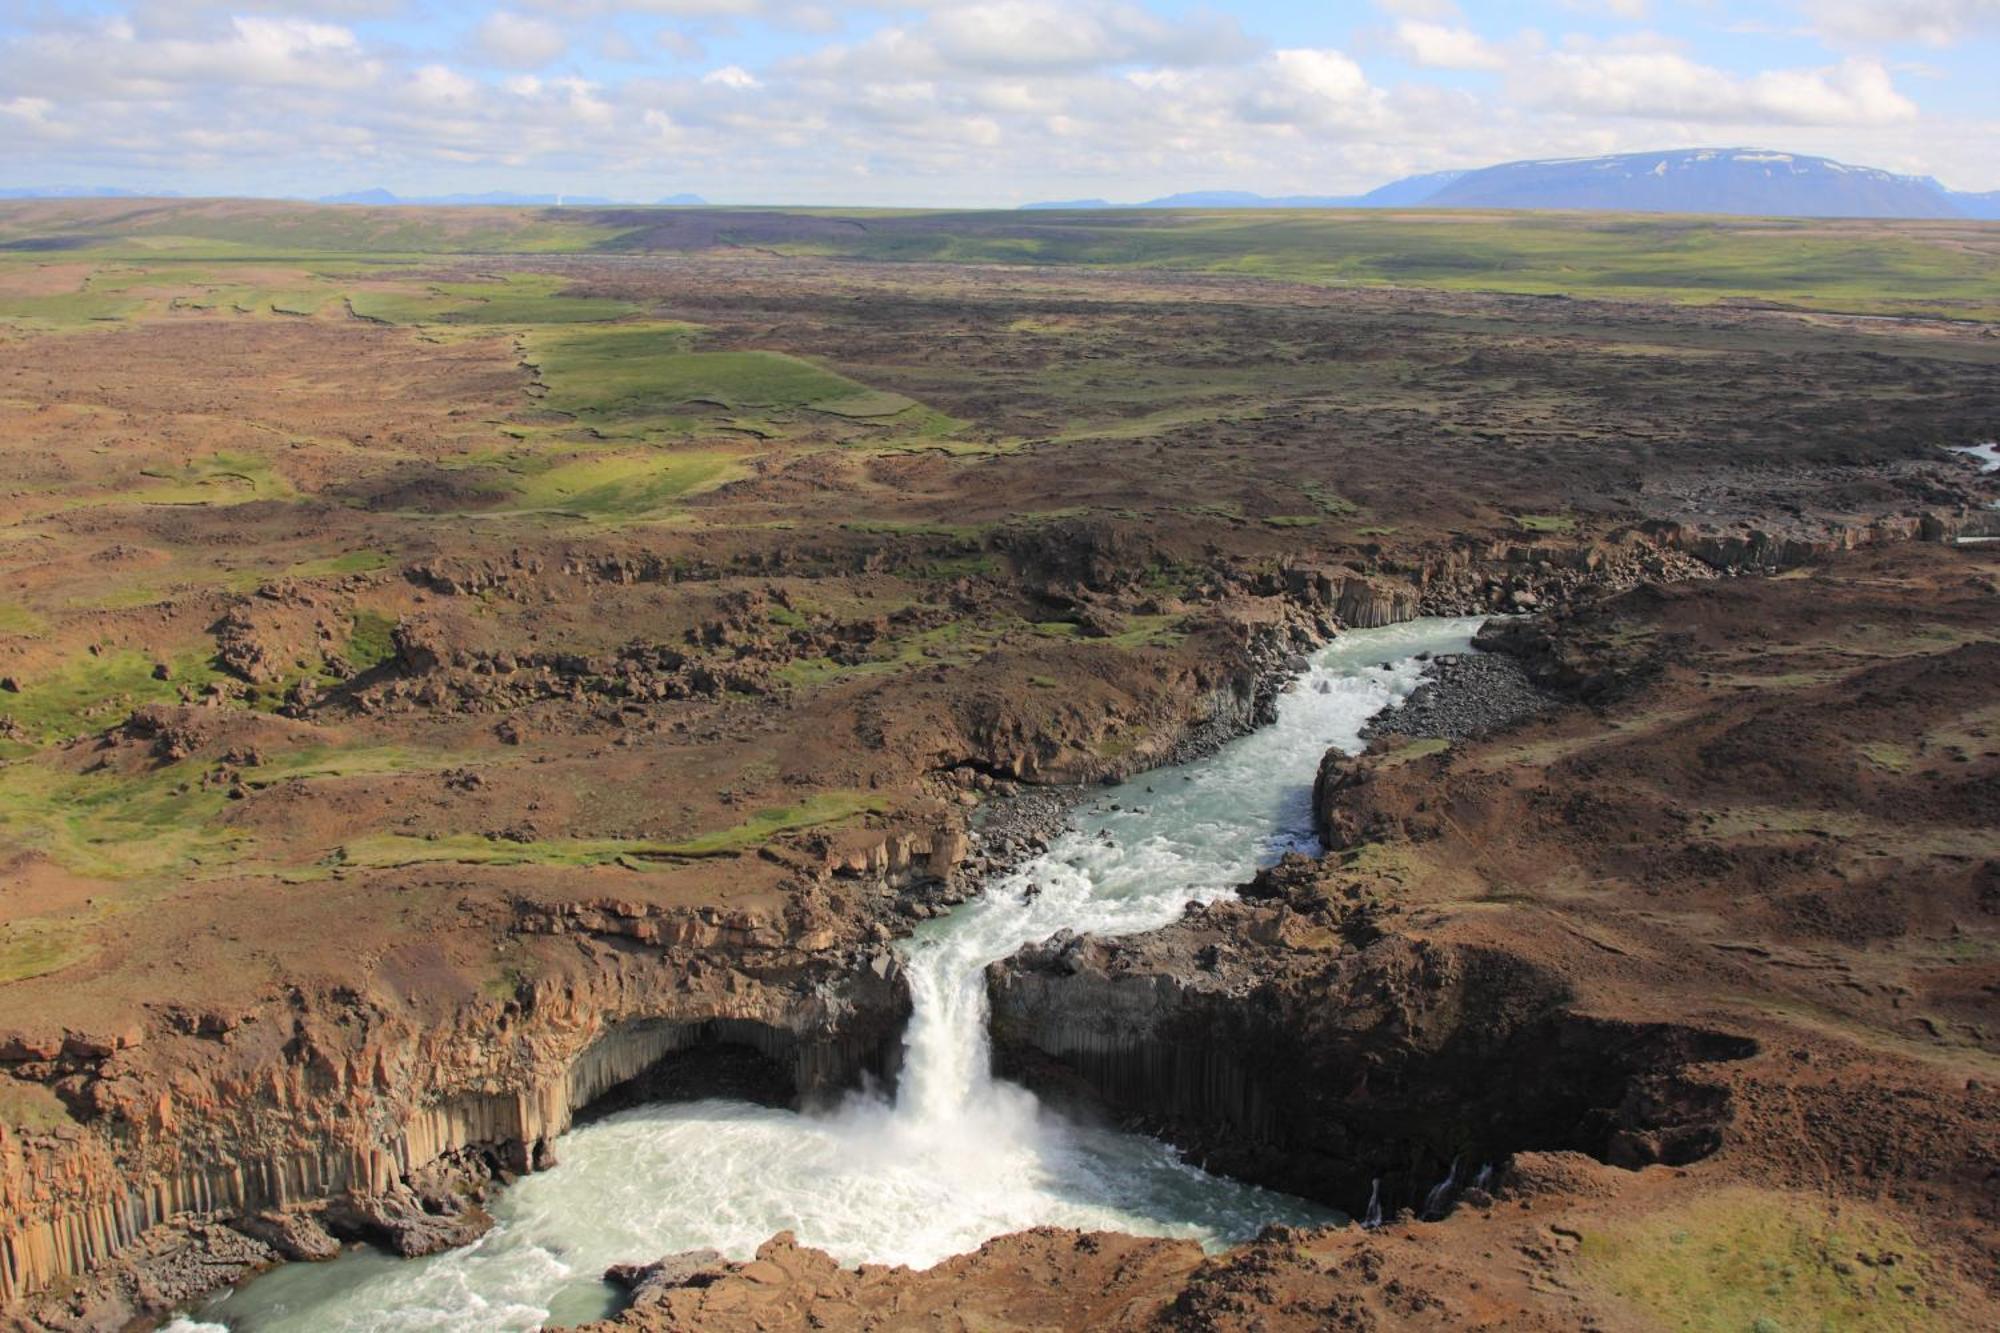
(953,102)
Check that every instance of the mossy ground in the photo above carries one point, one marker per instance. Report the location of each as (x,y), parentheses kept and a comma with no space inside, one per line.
(1741,1260)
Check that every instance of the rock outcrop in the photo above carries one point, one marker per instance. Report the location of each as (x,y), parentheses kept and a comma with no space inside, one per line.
(384,1124)
(1287,1039)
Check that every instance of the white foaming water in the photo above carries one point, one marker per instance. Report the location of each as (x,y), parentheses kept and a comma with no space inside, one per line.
(957,1156)
(1987,454)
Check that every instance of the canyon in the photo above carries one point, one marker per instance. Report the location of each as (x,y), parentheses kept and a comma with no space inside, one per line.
(417,746)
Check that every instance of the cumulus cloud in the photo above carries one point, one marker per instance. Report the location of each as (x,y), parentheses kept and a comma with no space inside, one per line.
(111,59)
(925,101)
(519,41)
(1633,10)
(1444,46)
(1932,22)
(1664,84)
(439,85)
(1030,35)
(732,76)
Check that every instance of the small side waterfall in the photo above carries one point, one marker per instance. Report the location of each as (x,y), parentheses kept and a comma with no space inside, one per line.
(1439,1199)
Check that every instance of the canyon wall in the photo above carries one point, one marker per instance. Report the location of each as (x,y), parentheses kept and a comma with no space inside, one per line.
(1285,1040)
(339,1095)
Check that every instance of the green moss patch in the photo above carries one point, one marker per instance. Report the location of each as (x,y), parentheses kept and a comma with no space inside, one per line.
(655,370)
(1744,1260)
(90,693)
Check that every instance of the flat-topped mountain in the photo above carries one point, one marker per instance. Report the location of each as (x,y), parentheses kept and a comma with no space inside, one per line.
(1754,182)
(1701,180)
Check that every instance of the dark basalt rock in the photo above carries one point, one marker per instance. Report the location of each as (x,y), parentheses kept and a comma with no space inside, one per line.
(1294,1043)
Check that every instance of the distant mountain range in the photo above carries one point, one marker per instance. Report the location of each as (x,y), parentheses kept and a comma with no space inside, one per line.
(1396,194)
(1742,181)
(382,198)
(378,197)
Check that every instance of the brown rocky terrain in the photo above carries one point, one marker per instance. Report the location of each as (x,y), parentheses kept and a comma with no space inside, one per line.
(374,803)
(1738,1073)
(1729,907)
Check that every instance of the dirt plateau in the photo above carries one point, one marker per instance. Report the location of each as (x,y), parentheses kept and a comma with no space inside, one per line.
(1708,942)
(425,829)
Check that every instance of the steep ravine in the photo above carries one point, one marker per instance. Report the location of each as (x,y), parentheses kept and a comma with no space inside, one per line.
(204,1145)
(398,1115)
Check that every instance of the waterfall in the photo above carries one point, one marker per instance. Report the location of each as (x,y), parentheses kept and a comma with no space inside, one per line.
(1439,1199)
(957,1156)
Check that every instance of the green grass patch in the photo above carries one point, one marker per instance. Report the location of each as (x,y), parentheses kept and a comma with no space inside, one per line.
(527,298)
(1549,523)
(68,310)
(513,299)
(622,485)
(1743,1260)
(1331,502)
(214,479)
(21,621)
(370,642)
(109,825)
(654,370)
(1894,756)
(88,694)
(333,566)
(1294,520)
(1414,750)
(1869,267)
(421,306)
(30,1106)
(37,948)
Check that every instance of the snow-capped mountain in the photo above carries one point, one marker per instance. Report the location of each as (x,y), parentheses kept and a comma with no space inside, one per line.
(1702,180)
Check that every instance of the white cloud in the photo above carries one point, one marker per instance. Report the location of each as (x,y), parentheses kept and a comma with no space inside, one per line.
(113,60)
(518,41)
(731,76)
(683,45)
(442,86)
(1031,35)
(27,108)
(1327,75)
(1439,46)
(1419,9)
(931,101)
(1932,22)
(1664,84)
(1624,9)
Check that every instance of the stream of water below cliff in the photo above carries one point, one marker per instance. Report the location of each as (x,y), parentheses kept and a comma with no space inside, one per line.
(956,1156)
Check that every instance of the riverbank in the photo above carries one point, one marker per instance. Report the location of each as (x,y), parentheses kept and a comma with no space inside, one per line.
(1812,1148)
(1622,931)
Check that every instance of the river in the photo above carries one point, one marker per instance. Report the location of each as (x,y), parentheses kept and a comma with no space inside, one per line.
(955,1156)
